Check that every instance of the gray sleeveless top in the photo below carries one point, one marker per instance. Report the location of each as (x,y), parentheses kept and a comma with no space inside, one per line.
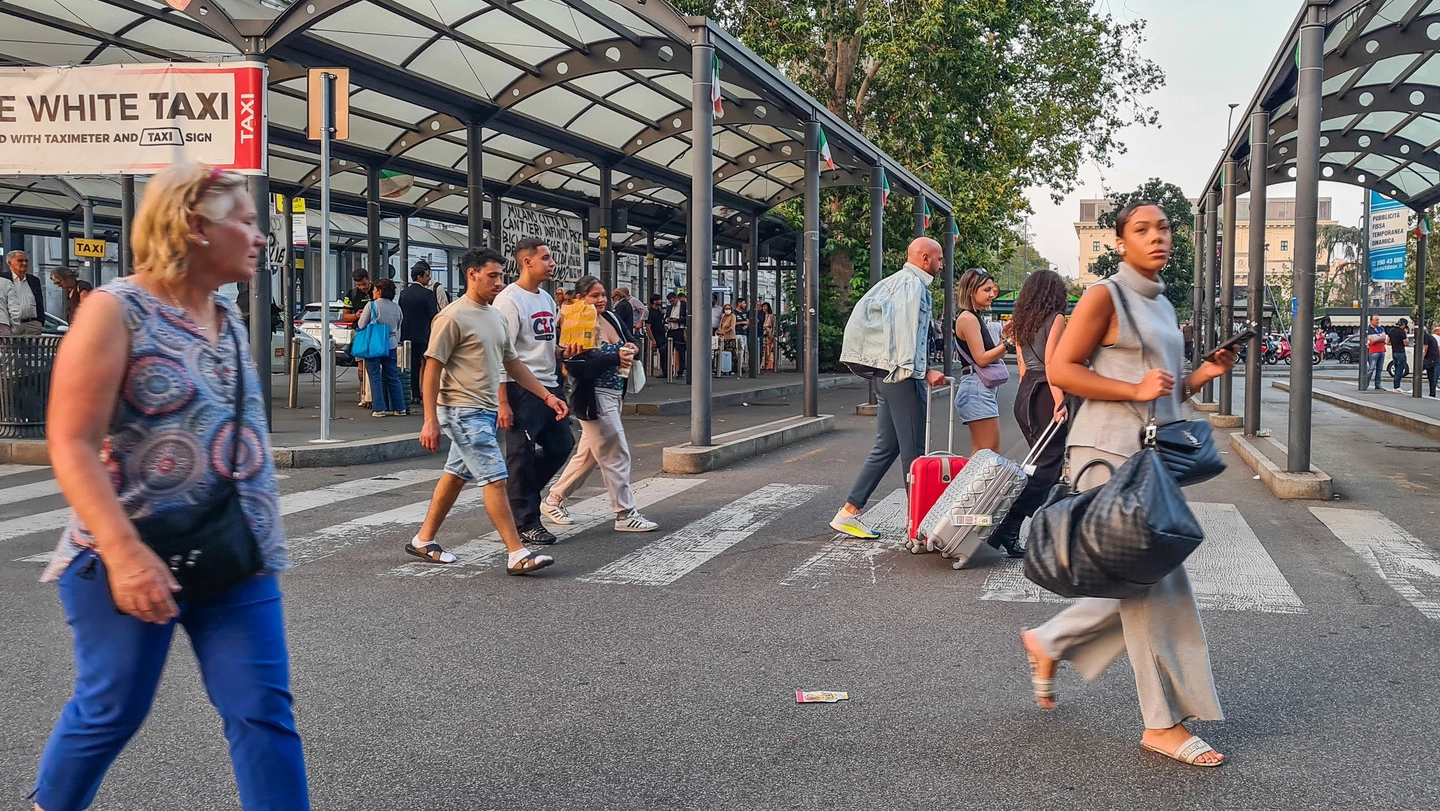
(1114,427)
(1034,352)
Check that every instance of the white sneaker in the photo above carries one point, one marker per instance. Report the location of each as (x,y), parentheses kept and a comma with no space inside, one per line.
(635,522)
(848,524)
(555,513)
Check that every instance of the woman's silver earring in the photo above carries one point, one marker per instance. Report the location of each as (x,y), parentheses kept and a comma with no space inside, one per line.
(205,243)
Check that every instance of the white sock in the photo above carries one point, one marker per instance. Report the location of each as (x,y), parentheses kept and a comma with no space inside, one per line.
(518,555)
(419,544)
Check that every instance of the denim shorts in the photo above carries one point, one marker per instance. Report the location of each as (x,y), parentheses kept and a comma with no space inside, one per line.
(973,401)
(475,454)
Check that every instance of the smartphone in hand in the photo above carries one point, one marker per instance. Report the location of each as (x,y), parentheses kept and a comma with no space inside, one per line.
(1233,341)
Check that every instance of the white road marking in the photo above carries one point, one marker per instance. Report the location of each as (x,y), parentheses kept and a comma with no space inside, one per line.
(289,504)
(486,552)
(855,559)
(1402,560)
(25,492)
(681,552)
(11,470)
(1231,571)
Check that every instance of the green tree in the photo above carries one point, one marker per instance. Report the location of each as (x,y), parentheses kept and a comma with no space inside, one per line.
(1011,273)
(1179,273)
(982,99)
(1342,243)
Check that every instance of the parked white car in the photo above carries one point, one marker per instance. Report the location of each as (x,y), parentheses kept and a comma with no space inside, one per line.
(340,334)
(309,350)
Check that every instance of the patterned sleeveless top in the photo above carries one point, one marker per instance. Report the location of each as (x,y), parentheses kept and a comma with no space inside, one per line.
(170,439)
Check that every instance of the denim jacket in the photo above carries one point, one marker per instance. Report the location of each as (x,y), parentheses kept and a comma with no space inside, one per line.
(890,326)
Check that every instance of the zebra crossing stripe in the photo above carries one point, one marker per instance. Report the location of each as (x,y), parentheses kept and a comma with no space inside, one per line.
(1402,560)
(289,504)
(334,538)
(25,492)
(487,551)
(11,470)
(681,552)
(855,559)
(1231,571)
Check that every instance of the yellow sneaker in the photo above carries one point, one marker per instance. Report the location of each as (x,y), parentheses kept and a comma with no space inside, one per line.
(848,524)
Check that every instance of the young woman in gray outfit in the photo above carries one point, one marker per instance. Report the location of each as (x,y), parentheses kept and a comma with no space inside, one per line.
(1102,358)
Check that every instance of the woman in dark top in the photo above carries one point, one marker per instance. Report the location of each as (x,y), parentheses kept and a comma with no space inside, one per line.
(975,403)
(1036,327)
(1431,360)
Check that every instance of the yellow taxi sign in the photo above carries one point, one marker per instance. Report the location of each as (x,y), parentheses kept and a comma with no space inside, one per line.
(89,248)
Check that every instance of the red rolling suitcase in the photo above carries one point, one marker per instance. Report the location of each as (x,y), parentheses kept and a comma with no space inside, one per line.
(930,474)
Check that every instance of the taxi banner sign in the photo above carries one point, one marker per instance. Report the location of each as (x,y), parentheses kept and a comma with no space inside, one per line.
(132,119)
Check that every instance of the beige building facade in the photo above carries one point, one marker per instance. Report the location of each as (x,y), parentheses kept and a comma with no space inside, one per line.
(1279,235)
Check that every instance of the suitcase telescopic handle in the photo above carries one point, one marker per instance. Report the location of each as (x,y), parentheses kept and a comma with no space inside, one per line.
(954,392)
(1033,457)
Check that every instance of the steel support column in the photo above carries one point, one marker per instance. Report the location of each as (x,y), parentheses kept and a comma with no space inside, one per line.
(496,215)
(1227,281)
(287,287)
(1197,299)
(261,295)
(404,248)
(374,251)
(127,222)
(947,247)
(474,184)
(1364,291)
(752,332)
(93,264)
(1421,267)
(652,281)
(919,216)
(1212,206)
(811,306)
(877,251)
(64,242)
(607,212)
(702,233)
(1307,206)
(5,235)
(1259,160)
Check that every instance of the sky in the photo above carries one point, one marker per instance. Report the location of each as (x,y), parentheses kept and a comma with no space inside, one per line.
(1214,53)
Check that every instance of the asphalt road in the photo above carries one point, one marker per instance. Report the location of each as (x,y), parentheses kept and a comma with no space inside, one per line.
(658,671)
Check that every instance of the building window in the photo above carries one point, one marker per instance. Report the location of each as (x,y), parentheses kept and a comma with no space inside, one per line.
(1095,247)
(1284,245)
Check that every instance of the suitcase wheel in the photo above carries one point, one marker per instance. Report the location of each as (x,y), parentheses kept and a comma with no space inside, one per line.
(957,565)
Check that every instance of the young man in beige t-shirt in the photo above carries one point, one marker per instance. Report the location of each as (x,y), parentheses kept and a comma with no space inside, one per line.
(468,348)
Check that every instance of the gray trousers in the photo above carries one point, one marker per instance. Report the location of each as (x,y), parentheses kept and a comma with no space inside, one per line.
(602,444)
(899,433)
(1161,631)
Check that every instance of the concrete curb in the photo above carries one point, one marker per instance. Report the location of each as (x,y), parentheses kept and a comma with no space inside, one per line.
(1409,420)
(1226,420)
(359,452)
(1315,485)
(677,408)
(1206,408)
(24,452)
(743,444)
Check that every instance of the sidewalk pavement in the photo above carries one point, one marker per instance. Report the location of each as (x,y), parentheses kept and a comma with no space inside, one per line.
(1421,415)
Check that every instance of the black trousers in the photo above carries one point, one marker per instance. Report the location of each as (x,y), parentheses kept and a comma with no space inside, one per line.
(1034,411)
(417,368)
(536,447)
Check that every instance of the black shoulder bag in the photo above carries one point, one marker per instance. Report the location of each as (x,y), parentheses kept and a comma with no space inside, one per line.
(1187,447)
(209,547)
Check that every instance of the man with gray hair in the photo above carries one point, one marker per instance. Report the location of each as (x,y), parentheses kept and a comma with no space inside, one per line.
(9,308)
(31,299)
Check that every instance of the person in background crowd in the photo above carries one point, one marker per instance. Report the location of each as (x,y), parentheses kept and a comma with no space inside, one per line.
(1375,338)
(1432,358)
(1120,364)
(622,308)
(1188,333)
(975,403)
(637,311)
(155,364)
(530,315)
(726,331)
(442,298)
(1399,336)
(469,345)
(742,328)
(351,304)
(69,283)
(677,321)
(383,371)
(887,337)
(562,297)
(715,309)
(9,307)
(656,318)
(418,306)
(28,293)
(770,330)
(599,389)
(1036,327)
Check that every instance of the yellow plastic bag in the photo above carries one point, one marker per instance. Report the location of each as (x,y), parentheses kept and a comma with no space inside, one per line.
(579,324)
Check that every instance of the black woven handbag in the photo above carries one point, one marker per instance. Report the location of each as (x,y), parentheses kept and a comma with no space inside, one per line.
(1116,540)
(1186,446)
(209,547)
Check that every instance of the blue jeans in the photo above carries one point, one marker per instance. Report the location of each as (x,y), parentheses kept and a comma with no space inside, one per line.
(1402,368)
(899,432)
(474,445)
(239,641)
(1377,368)
(385,391)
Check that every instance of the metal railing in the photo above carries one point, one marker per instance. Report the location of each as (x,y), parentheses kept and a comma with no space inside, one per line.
(25,365)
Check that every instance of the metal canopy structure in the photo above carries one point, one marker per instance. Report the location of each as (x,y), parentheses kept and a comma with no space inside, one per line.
(572,105)
(1352,96)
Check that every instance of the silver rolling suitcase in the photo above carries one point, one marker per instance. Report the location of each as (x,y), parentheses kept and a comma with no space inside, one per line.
(977,501)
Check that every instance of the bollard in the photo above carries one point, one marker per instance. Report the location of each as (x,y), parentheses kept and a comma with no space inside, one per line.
(402,360)
(293,401)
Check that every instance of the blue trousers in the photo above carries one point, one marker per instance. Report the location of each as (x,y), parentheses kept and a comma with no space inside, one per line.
(899,433)
(239,641)
(386,393)
(1377,368)
(1402,368)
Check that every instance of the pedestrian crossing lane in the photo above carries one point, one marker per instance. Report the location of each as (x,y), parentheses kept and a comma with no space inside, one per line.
(1400,559)
(851,560)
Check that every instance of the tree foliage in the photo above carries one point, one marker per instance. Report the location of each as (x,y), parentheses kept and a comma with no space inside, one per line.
(1011,273)
(1335,277)
(1179,273)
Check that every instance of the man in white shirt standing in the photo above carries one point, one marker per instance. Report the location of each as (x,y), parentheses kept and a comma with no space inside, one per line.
(536,444)
(9,307)
(28,294)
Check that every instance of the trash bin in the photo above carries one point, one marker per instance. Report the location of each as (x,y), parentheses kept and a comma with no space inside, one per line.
(25,365)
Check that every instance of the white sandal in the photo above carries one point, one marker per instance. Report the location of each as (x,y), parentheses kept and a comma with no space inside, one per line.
(1188,752)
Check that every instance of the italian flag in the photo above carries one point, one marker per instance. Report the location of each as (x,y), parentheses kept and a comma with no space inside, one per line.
(715,98)
(925,207)
(1422,229)
(825,151)
(884,187)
